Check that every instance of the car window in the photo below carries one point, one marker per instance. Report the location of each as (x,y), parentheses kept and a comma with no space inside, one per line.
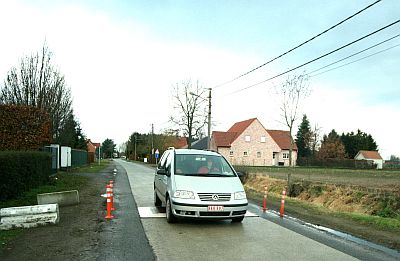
(202,165)
(161,163)
(168,162)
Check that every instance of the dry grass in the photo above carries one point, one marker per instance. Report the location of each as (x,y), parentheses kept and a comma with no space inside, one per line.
(333,197)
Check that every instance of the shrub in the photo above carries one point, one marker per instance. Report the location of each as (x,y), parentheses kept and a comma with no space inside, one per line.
(22,171)
(23,128)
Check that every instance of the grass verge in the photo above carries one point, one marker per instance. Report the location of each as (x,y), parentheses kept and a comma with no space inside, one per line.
(301,207)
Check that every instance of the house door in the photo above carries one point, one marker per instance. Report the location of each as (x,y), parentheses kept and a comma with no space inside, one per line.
(275,158)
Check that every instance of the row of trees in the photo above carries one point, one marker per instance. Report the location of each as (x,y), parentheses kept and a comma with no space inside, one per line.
(36,82)
(140,145)
(333,145)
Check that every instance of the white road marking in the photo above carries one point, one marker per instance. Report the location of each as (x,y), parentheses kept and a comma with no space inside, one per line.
(154,212)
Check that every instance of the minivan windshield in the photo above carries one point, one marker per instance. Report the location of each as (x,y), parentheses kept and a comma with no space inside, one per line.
(202,165)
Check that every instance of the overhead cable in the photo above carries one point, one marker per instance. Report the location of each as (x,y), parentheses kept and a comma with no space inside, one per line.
(298,46)
(320,57)
(354,54)
(362,58)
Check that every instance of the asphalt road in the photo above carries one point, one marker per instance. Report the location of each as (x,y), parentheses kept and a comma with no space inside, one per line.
(125,238)
(256,238)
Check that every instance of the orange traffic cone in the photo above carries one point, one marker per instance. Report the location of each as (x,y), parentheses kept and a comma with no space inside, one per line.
(109,203)
(282,210)
(112,194)
(265,198)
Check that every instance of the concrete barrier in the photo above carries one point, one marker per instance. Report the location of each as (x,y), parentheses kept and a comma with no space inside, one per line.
(63,198)
(28,216)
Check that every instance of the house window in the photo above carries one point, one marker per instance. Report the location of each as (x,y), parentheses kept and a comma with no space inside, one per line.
(258,154)
(231,153)
(263,139)
(285,155)
(274,155)
(247,138)
(245,154)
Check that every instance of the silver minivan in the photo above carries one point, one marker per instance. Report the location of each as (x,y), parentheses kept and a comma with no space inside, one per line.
(198,184)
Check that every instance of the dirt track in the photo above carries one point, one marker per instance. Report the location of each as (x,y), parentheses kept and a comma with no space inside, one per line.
(77,235)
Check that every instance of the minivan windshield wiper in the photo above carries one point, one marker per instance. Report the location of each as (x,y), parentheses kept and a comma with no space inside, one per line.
(212,175)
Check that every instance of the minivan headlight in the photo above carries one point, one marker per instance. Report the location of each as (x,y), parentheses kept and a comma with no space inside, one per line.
(240,195)
(184,194)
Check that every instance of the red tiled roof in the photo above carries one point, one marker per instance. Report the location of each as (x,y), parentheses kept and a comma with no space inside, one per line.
(239,127)
(282,138)
(181,142)
(224,139)
(370,154)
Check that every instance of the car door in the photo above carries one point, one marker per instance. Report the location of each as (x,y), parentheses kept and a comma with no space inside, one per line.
(159,178)
(165,179)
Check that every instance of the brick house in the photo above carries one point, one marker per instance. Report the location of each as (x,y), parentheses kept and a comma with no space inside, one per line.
(249,143)
(92,148)
(372,156)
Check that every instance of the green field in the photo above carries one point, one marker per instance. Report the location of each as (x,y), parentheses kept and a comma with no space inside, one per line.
(388,180)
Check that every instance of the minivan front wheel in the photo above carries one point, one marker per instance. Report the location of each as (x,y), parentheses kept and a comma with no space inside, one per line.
(170,216)
(157,201)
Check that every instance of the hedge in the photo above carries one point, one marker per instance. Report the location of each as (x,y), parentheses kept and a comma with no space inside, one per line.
(23,128)
(21,171)
(336,163)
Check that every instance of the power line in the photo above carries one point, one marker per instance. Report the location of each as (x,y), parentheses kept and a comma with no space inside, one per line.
(354,54)
(320,57)
(298,46)
(362,58)
(338,67)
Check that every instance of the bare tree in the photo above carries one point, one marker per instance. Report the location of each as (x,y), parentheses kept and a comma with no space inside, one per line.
(190,111)
(294,89)
(316,135)
(39,84)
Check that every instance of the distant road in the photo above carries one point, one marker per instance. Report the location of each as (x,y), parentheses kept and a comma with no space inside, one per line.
(254,239)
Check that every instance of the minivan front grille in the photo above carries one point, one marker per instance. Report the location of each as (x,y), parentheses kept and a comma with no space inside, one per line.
(215,214)
(214,196)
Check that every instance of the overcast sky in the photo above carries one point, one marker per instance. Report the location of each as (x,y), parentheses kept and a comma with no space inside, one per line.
(121,58)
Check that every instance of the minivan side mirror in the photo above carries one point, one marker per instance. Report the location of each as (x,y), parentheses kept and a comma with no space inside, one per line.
(240,174)
(161,172)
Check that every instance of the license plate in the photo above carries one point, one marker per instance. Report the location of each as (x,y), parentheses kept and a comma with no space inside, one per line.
(215,208)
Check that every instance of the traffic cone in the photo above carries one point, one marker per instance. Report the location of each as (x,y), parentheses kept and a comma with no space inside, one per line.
(109,204)
(265,199)
(112,194)
(282,210)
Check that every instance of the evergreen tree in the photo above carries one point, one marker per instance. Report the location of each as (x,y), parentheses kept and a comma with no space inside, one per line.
(304,138)
(71,134)
(108,148)
(353,143)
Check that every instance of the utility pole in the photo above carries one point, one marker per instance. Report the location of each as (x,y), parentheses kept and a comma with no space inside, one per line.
(209,120)
(135,146)
(209,116)
(152,142)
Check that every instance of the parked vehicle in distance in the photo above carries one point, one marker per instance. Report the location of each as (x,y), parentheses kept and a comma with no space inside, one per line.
(198,184)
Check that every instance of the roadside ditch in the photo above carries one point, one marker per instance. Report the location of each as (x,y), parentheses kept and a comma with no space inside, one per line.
(371,215)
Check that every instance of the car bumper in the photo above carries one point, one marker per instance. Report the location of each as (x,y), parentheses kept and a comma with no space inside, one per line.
(187,210)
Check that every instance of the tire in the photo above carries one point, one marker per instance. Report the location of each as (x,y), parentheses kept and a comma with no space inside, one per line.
(238,219)
(157,201)
(170,216)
